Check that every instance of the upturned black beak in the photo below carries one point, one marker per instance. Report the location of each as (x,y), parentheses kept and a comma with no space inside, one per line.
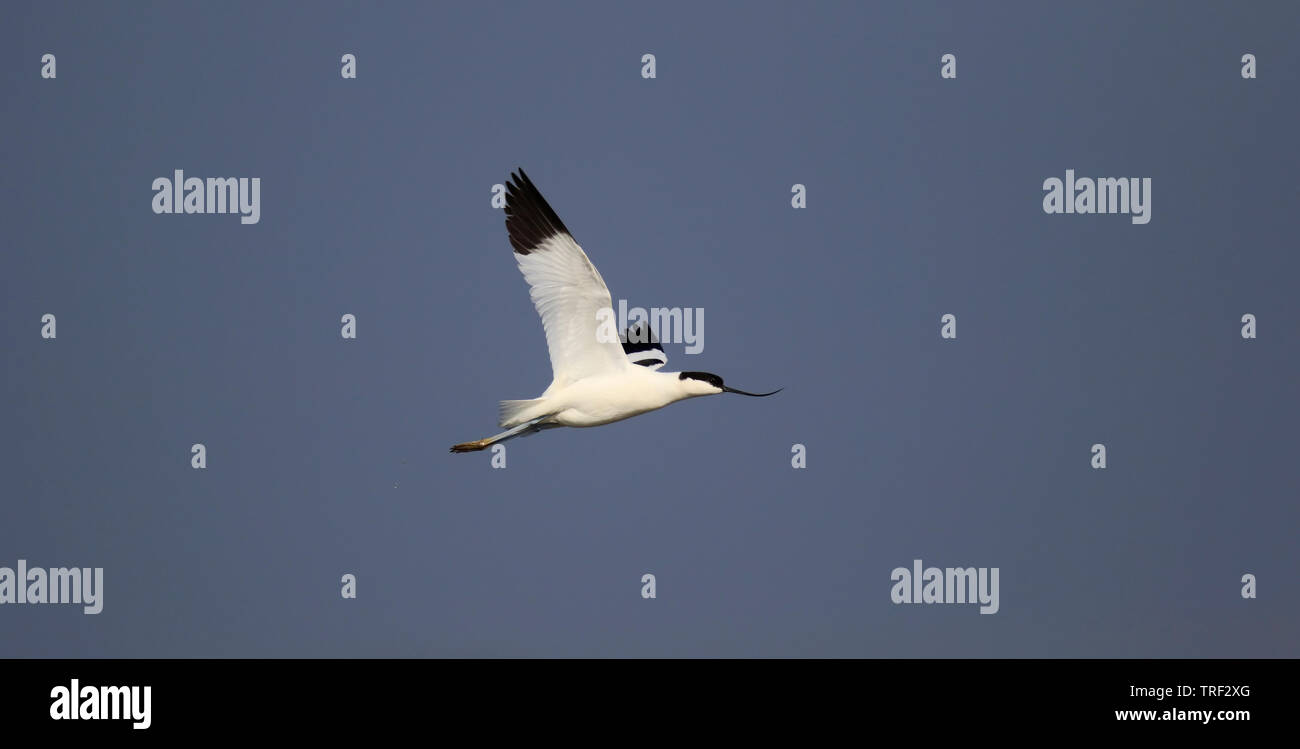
(726,389)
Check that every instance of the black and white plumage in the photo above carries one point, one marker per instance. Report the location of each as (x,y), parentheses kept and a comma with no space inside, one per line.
(596,379)
(642,346)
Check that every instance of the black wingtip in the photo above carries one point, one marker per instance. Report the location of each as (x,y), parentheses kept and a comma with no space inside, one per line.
(530,220)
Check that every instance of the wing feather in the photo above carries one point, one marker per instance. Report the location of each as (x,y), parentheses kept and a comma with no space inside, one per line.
(642,348)
(567,290)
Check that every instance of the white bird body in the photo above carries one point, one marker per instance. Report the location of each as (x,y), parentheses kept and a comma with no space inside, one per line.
(606,398)
(598,377)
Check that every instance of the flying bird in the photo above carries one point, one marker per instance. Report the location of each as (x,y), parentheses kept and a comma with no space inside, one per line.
(597,378)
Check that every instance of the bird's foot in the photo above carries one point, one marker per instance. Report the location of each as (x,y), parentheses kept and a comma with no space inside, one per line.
(469,447)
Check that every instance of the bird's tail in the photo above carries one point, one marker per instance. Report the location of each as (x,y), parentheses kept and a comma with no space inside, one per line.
(531,426)
(510,413)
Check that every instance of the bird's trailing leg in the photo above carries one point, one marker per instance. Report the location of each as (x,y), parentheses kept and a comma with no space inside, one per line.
(528,427)
(469,447)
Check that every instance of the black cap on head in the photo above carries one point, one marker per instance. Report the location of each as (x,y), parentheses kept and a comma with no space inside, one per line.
(712,379)
(716,382)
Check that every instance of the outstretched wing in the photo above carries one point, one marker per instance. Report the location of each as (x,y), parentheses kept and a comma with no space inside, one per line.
(566,288)
(642,346)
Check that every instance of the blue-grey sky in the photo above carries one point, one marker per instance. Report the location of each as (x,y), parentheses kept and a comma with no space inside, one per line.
(924,197)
